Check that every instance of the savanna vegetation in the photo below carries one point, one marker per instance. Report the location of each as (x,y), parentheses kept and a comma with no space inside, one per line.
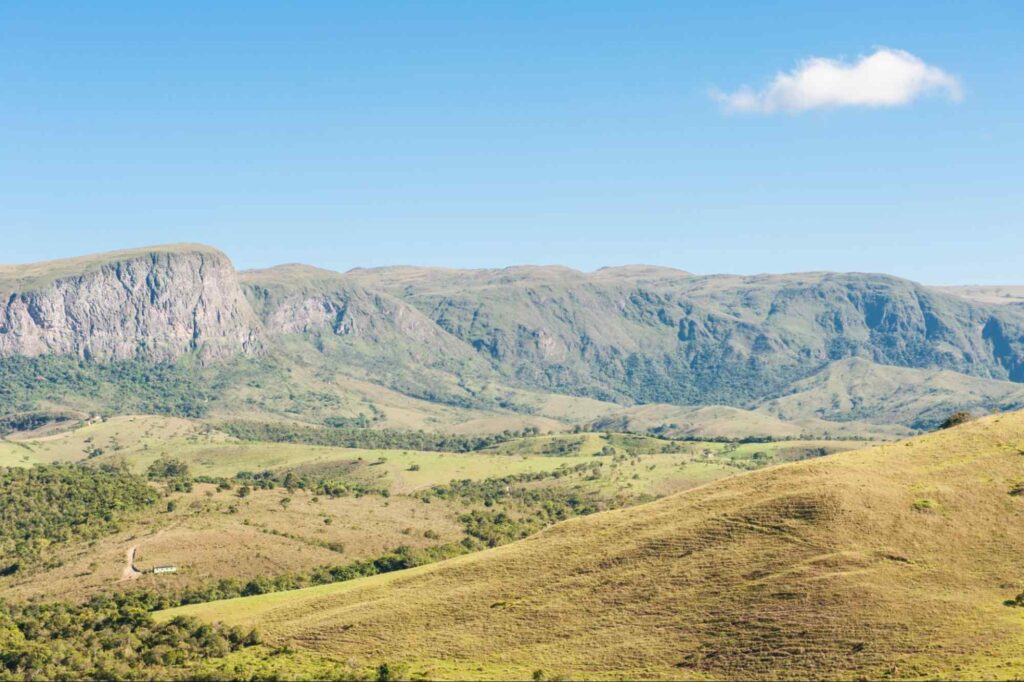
(109,637)
(383,439)
(283,494)
(123,387)
(51,504)
(826,568)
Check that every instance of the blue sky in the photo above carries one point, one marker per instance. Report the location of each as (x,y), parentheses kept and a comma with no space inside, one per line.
(467,134)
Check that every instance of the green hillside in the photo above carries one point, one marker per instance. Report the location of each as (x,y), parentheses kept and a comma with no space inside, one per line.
(892,562)
(855,389)
(176,330)
(672,338)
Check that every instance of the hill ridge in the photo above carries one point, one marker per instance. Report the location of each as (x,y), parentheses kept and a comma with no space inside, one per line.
(484,339)
(890,560)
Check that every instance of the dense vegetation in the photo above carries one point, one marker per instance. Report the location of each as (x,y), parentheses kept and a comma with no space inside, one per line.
(956,419)
(125,387)
(108,637)
(57,503)
(329,483)
(384,439)
(398,559)
(525,505)
(173,472)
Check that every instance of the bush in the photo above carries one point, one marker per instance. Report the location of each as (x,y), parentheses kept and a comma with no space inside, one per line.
(54,641)
(924,505)
(956,419)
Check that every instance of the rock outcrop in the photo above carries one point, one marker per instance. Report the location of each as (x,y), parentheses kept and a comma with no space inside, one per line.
(470,338)
(155,304)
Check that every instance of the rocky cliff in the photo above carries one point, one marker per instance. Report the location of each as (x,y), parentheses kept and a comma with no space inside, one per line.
(154,304)
(633,335)
(666,336)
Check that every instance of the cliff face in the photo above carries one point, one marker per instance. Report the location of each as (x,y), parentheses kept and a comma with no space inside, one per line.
(156,305)
(370,333)
(632,335)
(670,337)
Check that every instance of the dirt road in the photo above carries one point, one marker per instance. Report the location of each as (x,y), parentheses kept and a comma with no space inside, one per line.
(130,572)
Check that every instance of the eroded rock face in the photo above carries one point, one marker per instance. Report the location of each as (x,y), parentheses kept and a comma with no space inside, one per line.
(354,312)
(367,323)
(154,306)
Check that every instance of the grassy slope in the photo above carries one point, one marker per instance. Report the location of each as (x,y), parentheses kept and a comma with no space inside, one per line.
(717,421)
(33,276)
(858,389)
(993,294)
(892,561)
(261,537)
(141,439)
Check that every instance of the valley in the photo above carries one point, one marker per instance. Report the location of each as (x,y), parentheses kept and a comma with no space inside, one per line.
(511,341)
(372,501)
(415,473)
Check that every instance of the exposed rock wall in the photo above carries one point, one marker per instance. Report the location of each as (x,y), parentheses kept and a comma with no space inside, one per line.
(156,306)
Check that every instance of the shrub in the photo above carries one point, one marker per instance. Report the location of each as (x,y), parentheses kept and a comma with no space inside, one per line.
(924,505)
(956,419)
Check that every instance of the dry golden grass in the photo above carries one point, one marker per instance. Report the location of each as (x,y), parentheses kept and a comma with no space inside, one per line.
(262,538)
(887,562)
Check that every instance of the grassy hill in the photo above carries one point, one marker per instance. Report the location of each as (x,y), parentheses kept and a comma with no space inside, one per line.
(855,388)
(891,562)
(721,421)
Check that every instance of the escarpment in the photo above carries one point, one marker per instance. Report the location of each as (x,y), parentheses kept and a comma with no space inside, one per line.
(156,305)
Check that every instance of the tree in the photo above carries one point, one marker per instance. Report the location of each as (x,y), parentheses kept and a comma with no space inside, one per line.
(956,419)
(167,468)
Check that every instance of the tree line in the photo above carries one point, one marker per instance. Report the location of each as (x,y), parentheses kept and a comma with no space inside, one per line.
(370,439)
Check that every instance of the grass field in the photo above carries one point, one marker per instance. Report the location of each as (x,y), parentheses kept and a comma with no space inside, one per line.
(889,562)
(214,534)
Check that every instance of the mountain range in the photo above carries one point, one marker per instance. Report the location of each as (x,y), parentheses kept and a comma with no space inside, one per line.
(639,347)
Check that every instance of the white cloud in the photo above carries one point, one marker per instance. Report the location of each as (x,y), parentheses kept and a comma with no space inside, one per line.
(886,78)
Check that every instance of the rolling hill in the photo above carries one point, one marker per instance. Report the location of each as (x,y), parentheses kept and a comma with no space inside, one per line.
(890,562)
(854,389)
